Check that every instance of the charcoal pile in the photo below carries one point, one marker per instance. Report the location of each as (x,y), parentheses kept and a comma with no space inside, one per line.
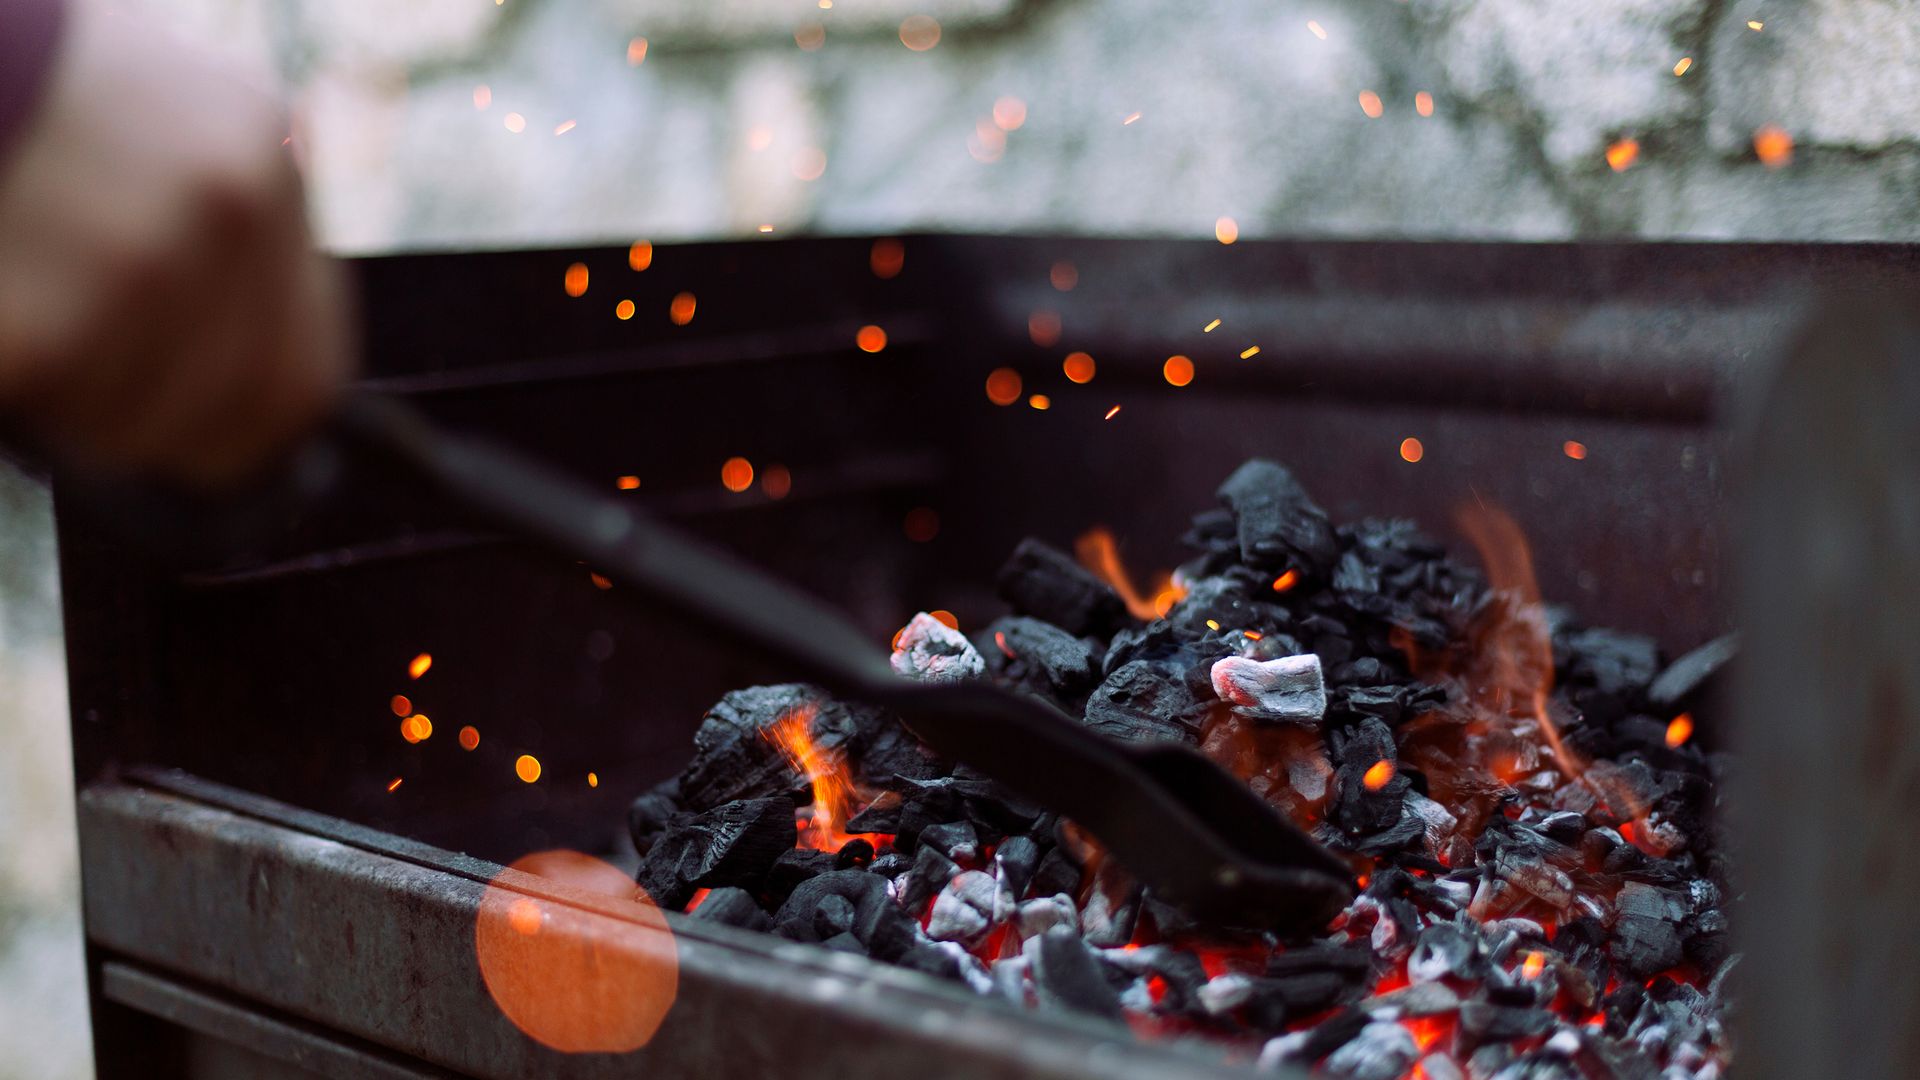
(1520,796)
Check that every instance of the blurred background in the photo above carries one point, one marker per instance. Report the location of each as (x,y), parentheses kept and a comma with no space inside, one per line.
(438,124)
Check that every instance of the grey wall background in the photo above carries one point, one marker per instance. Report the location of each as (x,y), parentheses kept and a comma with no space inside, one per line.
(739,114)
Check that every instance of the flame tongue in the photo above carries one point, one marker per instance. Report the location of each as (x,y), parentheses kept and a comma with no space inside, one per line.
(835,795)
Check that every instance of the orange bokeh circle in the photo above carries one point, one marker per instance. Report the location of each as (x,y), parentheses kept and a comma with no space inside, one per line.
(577,980)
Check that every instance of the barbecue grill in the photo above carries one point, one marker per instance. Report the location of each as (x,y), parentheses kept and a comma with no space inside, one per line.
(275,884)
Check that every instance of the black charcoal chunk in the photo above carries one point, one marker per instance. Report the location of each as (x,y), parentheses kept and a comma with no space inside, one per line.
(1040,656)
(731,906)
(1646,929)
(1058,873)
(833,915)
(1016,860)
(954,839)
(1680,685)
(734,759)
(1502,1022)
(891,865)
(732,844)
(930,873)
(1045,582)
(855,852)
(792,868)
(882,815)
(1276,523)
(1610,661)
(652,812)
(1445,951)
(878,923)
(1067,974)
(1146,701)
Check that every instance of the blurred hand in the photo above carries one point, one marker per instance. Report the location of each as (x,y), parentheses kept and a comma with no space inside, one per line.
(161,308)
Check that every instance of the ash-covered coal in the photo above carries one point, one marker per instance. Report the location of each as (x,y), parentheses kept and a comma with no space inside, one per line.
(1527,812)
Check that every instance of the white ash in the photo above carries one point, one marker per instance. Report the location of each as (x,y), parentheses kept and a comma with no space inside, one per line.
(1037,916)
(930,649)
(1225,993)
(1289,688)
(1281,1049)
(1439,823)
(1439,1066)
(1565,1042)
(1382,1051)
(1419,999)
(964,909)
(972,969)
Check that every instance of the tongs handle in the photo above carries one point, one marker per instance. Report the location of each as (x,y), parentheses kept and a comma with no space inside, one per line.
(624,544)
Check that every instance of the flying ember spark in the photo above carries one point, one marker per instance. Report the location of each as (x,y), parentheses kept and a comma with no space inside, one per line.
(1111,413)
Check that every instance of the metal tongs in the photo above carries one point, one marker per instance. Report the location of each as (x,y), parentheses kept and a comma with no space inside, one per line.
(1200,838)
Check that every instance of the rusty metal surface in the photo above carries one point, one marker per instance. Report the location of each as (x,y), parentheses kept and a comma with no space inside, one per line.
(380,948)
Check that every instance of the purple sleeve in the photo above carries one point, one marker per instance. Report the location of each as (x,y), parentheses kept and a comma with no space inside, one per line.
(28,31)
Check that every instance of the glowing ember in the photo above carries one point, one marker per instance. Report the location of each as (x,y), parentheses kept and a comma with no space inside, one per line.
(835,798)
(527,768)
(469,737)
(1041,402)
(810,36)
(777,482)
(1210,327)
(1009,113)
(1755,24)
(1370,104)
(1423,103)
(1249,352)
(565,126)
(1003,386)
(1411,450)
(680,310)
(1622,154)
(921,524)
(1317,30)
(1378,774)
(1679,729)
(1178,371)
(593,779)
(736,474)
(1063,275)
(599,581)
(886,258)
(418,665)
(636,52)
(524,916)
(1226,230)
(1129,118)
(1533,965)
(482,96)
(1773,146)
(640,255)
(870,339)
(766,228)
(623,310)
(1078,367)
(919,32)
(1575,450)
(1043,328)
(1111,413)
(627,483)
(401,705)
(514,122)
(1286,581)
(1681,67)
(575,280)
(416,729)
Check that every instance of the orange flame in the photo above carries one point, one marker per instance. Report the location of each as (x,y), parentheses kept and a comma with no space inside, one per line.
(1680,729)
(1378,775)
(835,796)
(1098,553)
(1535,963)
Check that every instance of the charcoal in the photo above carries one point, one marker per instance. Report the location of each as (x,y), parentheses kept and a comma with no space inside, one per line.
(833,915)
(1043,913)
(1159,640)
(732,844)
(929,649)
(889,754)
(1058,873)
(1067,974)
(844,942)
(987,804)
(792,868)
(855,852)
(1333,1033)
(886,930)
(1278,1000)
(926,957)
(1565,826)
(1111,910)
(731,906)
(652,812)
(734,759)
(1146,701)
(1380,1051)
(1276,523)
(1045,582)
(1538,878)
(1610,661)
(1015,860)
(1289,689)
(923,804)
(1419,999)
(965,909)
(930,873)
(1684,680)
(890,865)
(882,815)
(1646,929)
(1224,993)
(1440,1066)
(1444,951)
(1040,656)
(1349,962)
(1503,1022)
(954,839)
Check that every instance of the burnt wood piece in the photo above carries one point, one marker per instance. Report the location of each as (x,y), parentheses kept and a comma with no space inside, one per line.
(1067,974)
(1276,524)
(731,906)
(1147,701)
(732,844)
(734,759)
(1686,679)
(1042,581)
(1039,656)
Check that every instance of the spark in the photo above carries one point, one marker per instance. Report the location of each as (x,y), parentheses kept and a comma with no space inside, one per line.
(575,281)
(1575,450)
(1178,370)
(1681,67)
(401,705)
(1226,230)
(1755,24)
(1680,729)
(1063,275)
(736,474)
(1009,113)
(1535,963)
(640,255)
(809,163)
(418,665)
(527,768)
(566,126)
(1041,402)
(1111,413)
(469,737)
(1622,154)
(1003,386)
(886,258)
(1411,450)
(627,483)
(482,96)
(599,581)
(593,779)
(1212,625)
(1210,327)
(1378,775)
(1130,118)
(636,52)
(1249,352)
(1317,30)
(395,785)
(1370,104)
(623,310)
(1043,328)
(870,339)
(777,482)
(810,37)
(680,311)
(1423,103)
(1078,367)
(766,228)
(515,122)
(919,32)
(1773,146)
(1285,582)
